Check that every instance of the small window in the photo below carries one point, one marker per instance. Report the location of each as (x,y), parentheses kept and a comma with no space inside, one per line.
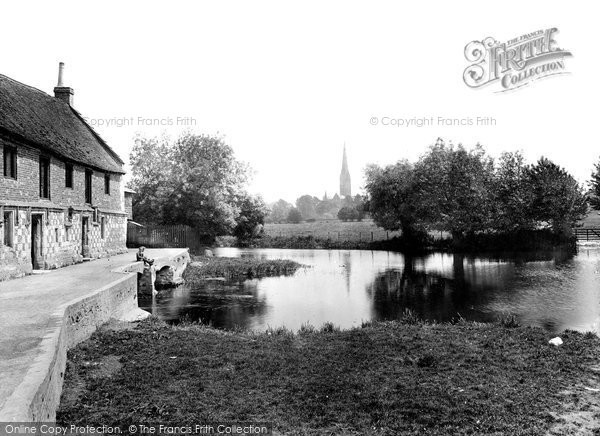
(10,162)
(8,229)
(88,186)
(44,177)
(68,175)
(103,227)
(107,184)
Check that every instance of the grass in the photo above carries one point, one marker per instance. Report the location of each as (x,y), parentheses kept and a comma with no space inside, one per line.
(407,378)
(355,231)
(203,267)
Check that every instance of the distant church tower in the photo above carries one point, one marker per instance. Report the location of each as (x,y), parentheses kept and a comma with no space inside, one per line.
(345,189)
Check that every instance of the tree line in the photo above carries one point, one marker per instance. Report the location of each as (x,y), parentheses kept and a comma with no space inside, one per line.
(197,180)
(467,193)
(310,208)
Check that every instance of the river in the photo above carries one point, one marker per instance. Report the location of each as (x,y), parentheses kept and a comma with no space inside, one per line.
(553,290)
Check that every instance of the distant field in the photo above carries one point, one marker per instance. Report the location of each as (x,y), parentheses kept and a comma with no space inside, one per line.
(364,230)
(592,220)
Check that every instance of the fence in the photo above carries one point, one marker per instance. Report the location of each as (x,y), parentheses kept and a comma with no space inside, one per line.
(587,233)
(171,236)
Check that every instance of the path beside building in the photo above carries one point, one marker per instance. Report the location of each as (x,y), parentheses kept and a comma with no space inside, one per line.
(40,314)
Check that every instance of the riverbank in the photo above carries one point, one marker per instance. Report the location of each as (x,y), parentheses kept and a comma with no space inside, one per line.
(524,241)
(203,267)
(404,377)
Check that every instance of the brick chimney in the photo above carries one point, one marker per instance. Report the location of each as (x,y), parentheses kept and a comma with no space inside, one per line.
(63,92)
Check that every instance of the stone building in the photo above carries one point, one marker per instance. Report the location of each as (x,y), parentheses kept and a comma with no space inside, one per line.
(129,203)
(61,185)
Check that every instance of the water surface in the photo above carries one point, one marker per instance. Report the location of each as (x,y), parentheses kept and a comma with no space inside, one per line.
(346,287)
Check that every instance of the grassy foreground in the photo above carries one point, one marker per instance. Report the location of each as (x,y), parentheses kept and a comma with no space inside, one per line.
(401,377)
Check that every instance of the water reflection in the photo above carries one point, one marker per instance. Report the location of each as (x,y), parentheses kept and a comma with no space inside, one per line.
(220,304)
(555,290)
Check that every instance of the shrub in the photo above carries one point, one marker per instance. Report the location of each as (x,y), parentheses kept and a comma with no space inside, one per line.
(509,321)
(306,329)
(294,216)
(409,317)
(329,327)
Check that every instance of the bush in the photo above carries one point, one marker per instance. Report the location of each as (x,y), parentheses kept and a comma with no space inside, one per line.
(510,322)
(348,213)
(329,327)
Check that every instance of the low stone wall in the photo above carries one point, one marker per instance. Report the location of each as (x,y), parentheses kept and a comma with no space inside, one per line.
(38,396)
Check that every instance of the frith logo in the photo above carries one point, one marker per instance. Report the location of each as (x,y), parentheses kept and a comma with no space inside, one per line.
(515,63)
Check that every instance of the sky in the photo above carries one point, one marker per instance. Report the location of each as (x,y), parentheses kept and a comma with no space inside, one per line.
(288,83)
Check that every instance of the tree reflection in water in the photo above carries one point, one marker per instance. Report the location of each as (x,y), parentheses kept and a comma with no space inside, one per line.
(217,303)
(553,290)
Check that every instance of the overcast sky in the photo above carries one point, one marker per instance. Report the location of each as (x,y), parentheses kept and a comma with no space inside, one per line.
(288,83)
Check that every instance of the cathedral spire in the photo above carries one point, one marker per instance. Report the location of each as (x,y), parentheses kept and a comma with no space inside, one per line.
(345,185)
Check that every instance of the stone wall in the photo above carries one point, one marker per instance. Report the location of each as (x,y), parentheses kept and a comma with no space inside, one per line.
(129,204)
(26,187)
(61,240)
(61,235)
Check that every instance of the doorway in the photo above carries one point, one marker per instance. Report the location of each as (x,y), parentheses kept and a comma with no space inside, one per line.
(37,259)
(85,248)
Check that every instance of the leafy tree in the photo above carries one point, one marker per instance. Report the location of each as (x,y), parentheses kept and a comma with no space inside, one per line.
(327,207)
(453,187)
(511,195)
(307,205)
(595,187)
(393,198)
(195,180)
(279,211)
(557,197)
(249,222)
(294,216)
(150,178)
(360,206)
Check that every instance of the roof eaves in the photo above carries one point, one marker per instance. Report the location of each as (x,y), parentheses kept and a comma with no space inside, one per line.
(98,137)
(25,141)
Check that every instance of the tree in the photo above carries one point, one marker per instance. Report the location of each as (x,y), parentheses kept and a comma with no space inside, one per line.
(279,211)
(150,178)
(360,204)
(195,180)
(558,200)
(249,222)
(595,187)
(327,208)
(393,200)
(511,195)
(294,216)
(307,205)
(453,187)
